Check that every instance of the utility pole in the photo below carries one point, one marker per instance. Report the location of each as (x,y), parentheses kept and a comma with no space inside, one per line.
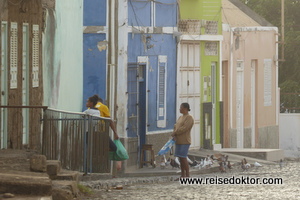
(282,31)
(112,56)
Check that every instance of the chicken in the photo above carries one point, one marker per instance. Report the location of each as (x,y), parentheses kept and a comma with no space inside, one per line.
(219,157)
(226,158)
(162,165)
(222,168)
(173,164)
(207,163)
(177,161)
(229,165)
(281,163)
(200,164)
(168,161)
(195,163)
(256,164)
(192,163)
(245,165)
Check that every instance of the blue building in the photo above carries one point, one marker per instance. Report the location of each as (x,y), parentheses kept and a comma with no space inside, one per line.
(95,35)
(130,54)
(151,73)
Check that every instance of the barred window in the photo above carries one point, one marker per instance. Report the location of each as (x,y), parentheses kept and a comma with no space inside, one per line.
(211,48)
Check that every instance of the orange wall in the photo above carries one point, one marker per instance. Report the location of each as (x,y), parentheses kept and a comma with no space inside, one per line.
(257,45)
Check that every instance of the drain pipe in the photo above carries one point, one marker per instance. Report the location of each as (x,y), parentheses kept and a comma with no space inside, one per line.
(231,75)
(282,31)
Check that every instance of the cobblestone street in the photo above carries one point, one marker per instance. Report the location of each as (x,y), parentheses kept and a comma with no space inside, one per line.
(173,190)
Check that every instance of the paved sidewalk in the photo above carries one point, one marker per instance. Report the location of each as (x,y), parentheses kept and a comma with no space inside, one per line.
(158,175)
(173,190)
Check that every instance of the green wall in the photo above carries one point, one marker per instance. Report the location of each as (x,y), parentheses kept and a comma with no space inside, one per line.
(206,71)
(206,10)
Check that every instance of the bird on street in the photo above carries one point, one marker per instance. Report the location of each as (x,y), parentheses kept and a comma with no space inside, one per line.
(256,164)
(281,163)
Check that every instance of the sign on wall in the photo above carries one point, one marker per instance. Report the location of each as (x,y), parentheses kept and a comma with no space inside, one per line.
(267,82)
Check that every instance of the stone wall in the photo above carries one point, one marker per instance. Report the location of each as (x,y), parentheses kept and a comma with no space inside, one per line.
(131,145)
(232,139)
(268,137)
(158,141)
(247,137)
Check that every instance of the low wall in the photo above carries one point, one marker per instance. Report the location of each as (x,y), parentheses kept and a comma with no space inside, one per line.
(268,137)
(289,137)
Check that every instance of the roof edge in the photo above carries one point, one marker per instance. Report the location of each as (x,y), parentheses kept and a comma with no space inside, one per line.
(248,11)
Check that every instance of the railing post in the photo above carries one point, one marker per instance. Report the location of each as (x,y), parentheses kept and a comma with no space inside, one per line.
(90,142)
(85,145)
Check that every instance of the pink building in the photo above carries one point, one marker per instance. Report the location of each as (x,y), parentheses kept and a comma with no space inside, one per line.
(250,91)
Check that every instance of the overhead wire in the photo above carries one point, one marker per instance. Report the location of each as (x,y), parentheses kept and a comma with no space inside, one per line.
(15,4)
(155,1)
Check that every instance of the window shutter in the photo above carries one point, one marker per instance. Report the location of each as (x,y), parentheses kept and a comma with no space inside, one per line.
(35,56)
(267,82)
(161,90)
(14,55)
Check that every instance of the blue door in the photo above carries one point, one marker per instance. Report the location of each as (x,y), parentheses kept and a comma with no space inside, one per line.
(137,102)
(142,103)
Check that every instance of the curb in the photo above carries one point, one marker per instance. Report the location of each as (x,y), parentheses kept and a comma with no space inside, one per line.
(106,184)
(142,178)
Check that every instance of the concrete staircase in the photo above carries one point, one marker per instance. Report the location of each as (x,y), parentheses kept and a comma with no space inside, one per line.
(45,180)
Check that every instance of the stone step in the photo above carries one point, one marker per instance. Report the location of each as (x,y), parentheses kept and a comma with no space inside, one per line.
(26,184)
(263,154)
(38,163)
(66,175)
(53,167)
(64,190)
(23,197)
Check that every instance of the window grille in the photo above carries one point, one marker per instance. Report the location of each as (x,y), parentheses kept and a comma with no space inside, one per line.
(190,26)
(211,28)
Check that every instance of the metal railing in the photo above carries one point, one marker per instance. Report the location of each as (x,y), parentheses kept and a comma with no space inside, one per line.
(78,140)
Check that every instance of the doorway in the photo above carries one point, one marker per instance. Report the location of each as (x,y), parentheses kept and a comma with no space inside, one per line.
(25,83)
(3,86)
(188,88)
(137,106)
(214,99)
(225,97)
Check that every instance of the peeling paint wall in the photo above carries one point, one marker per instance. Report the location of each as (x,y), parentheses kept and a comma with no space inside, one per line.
(95,46)
(122,98)
(64,69)
(161,44)
(150,40)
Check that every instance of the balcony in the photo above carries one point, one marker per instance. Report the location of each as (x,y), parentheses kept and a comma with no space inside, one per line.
(190,26)
(193,27)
